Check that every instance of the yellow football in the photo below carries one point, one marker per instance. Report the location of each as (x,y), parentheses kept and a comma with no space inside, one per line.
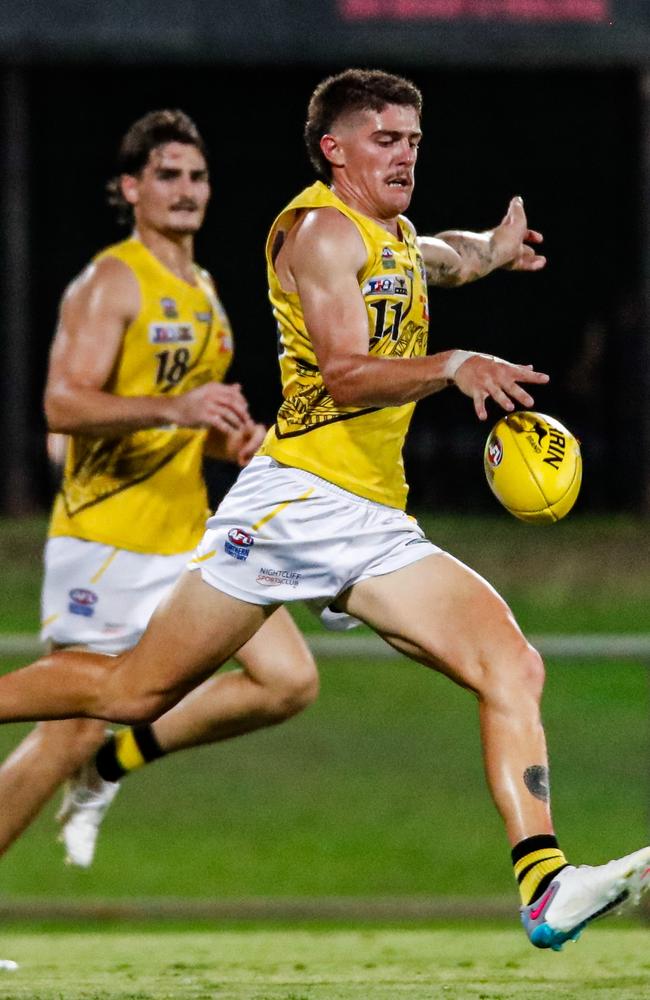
(533,466)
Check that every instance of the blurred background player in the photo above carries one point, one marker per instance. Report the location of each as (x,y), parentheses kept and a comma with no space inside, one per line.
(136,383)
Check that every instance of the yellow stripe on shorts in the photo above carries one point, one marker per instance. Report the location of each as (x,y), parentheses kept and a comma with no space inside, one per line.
(278,510)
(104,566)
(200,559)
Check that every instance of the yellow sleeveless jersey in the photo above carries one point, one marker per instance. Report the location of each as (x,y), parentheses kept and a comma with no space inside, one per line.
(358,448)
(144,490)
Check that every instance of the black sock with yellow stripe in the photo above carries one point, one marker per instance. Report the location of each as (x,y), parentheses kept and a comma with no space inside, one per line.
(127,751)
(536,860)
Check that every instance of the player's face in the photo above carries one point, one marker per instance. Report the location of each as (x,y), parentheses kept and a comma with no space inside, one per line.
(172,192)
(379,150)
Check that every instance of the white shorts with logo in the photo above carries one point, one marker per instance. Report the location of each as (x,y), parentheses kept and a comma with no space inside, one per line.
(282,534)
(100,596)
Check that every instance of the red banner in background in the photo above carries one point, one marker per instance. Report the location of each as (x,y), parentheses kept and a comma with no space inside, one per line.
(452,10)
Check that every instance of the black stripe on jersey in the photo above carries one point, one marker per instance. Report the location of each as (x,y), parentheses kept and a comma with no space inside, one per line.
(326,423)
(302,363)
(122,486)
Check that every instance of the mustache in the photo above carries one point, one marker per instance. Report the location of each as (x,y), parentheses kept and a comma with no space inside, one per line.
(184,205)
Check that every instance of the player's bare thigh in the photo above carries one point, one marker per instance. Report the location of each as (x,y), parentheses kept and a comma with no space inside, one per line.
(441,613)
(193,631)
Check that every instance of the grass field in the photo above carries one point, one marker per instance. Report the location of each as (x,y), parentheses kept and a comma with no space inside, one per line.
(376,792)
(372,791)
(590,575)
(450,963)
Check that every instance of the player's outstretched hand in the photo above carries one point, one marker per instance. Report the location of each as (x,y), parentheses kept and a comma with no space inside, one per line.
(212,405)
(483,377)
(514,227)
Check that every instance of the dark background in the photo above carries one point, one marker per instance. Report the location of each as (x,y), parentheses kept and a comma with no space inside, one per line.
(568,137)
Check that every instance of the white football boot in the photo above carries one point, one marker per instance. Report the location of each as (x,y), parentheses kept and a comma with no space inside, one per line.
(86,799)
(579,895)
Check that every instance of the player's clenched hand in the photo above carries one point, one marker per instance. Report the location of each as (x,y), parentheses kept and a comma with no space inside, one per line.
(253,436)
(483,377)
(514,231)
(212,405)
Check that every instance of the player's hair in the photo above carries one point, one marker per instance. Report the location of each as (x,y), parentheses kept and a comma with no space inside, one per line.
(347,92)
(153,130)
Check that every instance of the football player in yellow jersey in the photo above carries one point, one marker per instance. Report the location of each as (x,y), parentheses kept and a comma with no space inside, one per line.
(136,381)
(319,513)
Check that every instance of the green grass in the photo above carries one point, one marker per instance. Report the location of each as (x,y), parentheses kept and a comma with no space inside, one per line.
(377,790)
(450,963)
(583,574)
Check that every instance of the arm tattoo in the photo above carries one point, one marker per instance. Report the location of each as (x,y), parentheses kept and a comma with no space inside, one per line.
(536,781)
(440,273)
(477,258)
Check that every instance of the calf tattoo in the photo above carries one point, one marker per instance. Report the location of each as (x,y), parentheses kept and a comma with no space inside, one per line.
(536,781)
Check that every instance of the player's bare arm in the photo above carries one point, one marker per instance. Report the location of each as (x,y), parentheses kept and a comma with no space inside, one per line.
(456,258)
(321,259)
(95,311)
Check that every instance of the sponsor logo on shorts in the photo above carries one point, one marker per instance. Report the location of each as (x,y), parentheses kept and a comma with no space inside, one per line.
(277,577)
(110,628)
(171,333)
(417,541)
(238,543)
(82,602)
(494,452)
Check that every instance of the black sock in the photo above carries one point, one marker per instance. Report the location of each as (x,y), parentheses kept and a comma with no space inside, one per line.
(126,751)
(536,860)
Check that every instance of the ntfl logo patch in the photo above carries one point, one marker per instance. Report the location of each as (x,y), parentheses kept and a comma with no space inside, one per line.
(388,259)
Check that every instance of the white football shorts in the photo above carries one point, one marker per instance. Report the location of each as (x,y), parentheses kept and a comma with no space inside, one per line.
(99,596)
(281,534)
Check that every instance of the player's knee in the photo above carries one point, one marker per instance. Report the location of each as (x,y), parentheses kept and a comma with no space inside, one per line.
(534,672)
(137,707)
(517,677)
(72,740)
(526,674)
(294,689)
(131,704)
(304,687)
